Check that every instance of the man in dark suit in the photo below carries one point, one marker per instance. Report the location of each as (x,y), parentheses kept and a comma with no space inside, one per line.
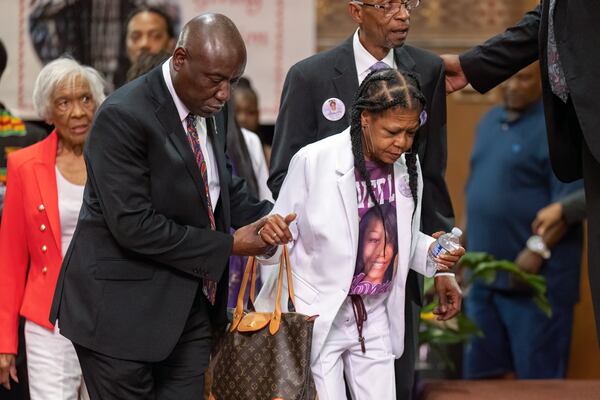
(143,286)
(563,35)
(316,101)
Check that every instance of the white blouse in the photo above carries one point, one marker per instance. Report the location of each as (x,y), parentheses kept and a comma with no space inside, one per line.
(70,197)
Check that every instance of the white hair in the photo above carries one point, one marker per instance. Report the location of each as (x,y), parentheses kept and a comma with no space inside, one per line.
(55,73)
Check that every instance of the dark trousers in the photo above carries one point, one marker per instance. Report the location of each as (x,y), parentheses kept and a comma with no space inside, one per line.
(517,336)
(591,179)
(179,377)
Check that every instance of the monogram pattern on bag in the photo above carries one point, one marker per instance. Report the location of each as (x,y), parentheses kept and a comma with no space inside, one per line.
(261,366)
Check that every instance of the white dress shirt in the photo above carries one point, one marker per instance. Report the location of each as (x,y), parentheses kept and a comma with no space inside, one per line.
(365,60)
(214,186)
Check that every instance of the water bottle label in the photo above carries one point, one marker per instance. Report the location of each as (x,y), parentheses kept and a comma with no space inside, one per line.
(437,250)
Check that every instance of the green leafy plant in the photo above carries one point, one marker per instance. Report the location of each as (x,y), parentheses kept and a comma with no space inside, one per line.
(437,334)
(485,266)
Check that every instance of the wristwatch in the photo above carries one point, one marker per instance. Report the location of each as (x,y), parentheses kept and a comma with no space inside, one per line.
(536,244)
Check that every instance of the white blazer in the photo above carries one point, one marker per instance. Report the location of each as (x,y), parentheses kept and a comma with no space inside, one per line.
(320,188)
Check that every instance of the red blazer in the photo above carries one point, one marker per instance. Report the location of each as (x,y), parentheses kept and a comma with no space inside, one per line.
(30,242)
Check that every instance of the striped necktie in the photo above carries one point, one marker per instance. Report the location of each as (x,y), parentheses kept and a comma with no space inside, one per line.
(208,287)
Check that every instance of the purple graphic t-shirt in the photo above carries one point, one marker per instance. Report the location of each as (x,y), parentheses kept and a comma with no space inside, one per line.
(377,239)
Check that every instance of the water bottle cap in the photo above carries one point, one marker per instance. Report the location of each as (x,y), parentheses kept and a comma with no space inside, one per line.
(456,232)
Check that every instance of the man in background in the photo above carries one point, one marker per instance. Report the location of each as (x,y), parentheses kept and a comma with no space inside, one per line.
(511,181)
(316,102)
(563,35)
(247,113)
(148,30)
(92,31)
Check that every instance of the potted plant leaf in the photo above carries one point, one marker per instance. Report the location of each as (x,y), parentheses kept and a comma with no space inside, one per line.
(437,336)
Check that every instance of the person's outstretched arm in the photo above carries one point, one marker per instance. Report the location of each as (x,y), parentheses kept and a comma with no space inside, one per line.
(487,65)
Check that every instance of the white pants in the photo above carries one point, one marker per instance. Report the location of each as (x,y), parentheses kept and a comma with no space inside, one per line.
(370,375)
(52,365)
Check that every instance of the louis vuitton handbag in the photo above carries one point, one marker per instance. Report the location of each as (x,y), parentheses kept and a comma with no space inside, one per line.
(265,355)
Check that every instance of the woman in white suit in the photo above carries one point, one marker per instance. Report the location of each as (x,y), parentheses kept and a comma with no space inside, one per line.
(357,200)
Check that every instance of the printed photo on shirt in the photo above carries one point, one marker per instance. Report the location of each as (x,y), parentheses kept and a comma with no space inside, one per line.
(376,259)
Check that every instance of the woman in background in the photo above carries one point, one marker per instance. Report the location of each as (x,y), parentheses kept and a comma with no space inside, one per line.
(247,115)
(41,208)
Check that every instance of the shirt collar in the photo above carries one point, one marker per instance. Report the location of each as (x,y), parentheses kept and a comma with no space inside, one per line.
(182,110)
(364,60)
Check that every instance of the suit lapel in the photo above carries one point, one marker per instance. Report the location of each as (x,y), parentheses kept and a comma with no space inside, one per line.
(543,37)
(45,174)
(180,141)
(167,115)
(403,60)
(405,222)
(347,188)
(345,79)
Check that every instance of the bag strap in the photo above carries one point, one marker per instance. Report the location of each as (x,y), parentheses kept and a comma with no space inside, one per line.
(249,271)
(252,296)
(284,263)
(250,274)
(291,296)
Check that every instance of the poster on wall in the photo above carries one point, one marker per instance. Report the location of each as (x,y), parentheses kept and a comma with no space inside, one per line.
(278,33)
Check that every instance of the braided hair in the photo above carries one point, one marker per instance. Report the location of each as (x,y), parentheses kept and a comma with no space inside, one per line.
(380,91)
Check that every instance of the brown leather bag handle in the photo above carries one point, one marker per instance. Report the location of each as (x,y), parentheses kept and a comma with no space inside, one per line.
(250,273)
(284,263)
(252,296)
(238,313)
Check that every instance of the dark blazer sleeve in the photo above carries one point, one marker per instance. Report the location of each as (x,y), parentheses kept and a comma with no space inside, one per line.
(573,207)
(117,155)
(502,56)
(296,126)
(437,211)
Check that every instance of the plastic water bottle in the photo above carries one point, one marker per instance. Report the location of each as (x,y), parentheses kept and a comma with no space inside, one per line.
(447,242)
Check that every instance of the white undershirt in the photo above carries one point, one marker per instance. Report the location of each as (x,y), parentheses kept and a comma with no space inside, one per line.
(214,186)
(259,164)
(70,197)
(365,60)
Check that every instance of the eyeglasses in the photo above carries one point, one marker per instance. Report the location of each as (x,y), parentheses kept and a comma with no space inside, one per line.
(390,9)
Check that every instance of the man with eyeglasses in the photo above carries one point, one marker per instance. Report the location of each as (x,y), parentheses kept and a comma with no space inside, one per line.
(334,76)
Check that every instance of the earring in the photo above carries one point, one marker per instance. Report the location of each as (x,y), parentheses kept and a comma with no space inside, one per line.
(368,143)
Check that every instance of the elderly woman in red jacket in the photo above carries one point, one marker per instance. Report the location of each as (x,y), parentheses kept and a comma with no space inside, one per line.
(45,184)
